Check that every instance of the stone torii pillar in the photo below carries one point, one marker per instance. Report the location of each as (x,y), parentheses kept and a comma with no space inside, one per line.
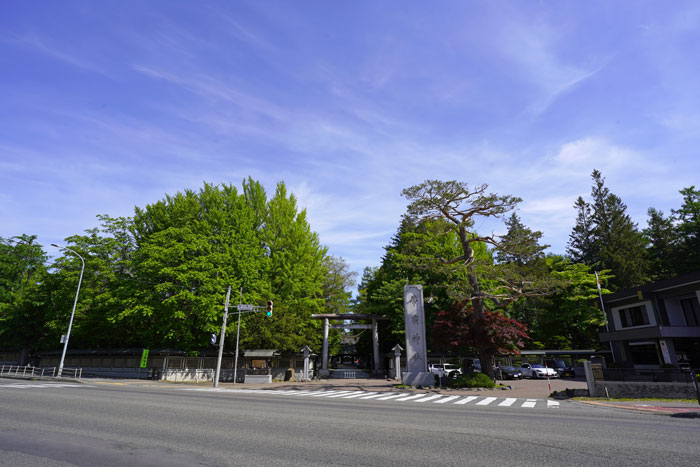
(378,361)
(324,358)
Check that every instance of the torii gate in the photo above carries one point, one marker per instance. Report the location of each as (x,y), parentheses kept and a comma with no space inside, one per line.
(378,362)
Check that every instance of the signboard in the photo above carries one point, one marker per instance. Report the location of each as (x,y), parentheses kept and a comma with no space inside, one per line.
(244,307)
(144,358)
(349,340)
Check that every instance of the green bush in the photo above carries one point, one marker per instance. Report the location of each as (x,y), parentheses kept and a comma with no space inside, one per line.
(475,380)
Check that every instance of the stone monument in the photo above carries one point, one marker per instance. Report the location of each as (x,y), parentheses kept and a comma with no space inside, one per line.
(417,373)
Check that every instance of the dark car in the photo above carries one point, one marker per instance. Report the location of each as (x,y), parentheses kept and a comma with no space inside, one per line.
(509,372)
(561,368)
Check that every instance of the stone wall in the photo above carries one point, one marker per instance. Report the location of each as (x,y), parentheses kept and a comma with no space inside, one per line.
(639,390)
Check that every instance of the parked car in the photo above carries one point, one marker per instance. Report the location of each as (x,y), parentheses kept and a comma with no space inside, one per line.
(509,372)
(561,368)
(535,370)
(447,369)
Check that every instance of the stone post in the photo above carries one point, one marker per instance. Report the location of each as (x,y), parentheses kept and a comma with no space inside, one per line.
(324,358)
(417,373)
(397,361)
(378,366)
(590,379)
(307,352)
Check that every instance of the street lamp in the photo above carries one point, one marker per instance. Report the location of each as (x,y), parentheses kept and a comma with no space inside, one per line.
(70,324)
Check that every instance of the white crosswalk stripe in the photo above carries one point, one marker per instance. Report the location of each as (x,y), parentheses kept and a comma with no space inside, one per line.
(486,401)
(429,398)
(373,396)
(466,400)
(492,401)
(392,396)
(447,399)
(359,395)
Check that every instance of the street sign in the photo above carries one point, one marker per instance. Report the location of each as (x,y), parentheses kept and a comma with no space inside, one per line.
(245,307)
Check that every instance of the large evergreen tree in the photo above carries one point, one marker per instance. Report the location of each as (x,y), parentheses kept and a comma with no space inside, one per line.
(581,240)
(606,238)
(662,251)
(688,231)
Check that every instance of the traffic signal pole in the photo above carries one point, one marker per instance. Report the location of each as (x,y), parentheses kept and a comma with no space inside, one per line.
(238,334)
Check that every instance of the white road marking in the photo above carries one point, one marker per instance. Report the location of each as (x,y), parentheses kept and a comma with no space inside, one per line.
(379,394)
(408,398)
(486,401)
(326,393)
(466,400)
(507,402)
(359,395)
(446,399)
(44,385)
(386,398)
(382,396)
(347,393)
(429,398)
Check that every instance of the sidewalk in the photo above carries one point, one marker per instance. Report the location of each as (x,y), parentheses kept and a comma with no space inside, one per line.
(678,409)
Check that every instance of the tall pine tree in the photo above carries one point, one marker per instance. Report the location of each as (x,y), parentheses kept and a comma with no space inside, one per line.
(606,238)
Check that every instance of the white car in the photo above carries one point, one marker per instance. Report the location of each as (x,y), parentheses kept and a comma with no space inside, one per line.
(536,370)
(445,370)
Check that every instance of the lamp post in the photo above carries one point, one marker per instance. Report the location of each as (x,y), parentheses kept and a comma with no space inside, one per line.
(70,324)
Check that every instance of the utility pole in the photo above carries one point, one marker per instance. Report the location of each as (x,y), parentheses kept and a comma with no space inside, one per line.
(605,315)
(238,334)
(221,340)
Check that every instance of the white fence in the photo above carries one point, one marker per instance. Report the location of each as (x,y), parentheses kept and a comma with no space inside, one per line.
(36,372)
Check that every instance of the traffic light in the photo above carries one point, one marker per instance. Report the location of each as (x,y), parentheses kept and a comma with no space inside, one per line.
(269,308)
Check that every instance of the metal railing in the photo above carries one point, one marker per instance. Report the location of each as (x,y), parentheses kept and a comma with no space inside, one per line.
(37,372)
(663,375)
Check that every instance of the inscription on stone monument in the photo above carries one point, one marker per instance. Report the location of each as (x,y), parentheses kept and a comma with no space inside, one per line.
(416,354)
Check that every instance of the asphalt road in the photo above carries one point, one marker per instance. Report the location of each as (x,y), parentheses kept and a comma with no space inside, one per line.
(138,424)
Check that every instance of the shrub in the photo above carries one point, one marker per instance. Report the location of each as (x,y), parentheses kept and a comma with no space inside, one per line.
(475,380)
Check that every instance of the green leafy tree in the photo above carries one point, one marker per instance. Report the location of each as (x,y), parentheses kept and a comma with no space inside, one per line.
(296,273)
(570,317)
(22,298)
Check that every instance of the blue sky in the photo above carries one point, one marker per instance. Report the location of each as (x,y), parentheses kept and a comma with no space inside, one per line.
(109,105)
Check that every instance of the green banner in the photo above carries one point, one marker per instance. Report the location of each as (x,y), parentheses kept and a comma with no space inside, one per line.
(144,358)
